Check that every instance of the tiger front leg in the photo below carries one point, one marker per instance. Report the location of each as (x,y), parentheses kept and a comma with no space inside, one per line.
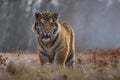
(61,57)
(43,59)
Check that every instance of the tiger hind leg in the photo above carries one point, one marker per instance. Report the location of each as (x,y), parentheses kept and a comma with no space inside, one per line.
(70,61)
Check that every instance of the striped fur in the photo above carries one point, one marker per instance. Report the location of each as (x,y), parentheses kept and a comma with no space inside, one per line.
(57,47)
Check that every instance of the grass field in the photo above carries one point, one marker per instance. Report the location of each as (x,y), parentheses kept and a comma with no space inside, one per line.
(96,64)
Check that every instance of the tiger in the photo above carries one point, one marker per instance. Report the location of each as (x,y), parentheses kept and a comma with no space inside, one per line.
(54,39)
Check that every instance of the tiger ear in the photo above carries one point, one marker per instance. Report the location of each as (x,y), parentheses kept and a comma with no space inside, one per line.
(56,15)
(37,14)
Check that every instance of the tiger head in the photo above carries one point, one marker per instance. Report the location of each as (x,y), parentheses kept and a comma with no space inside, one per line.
(46,25)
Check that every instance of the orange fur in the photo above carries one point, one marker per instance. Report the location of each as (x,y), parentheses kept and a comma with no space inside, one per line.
(65,49)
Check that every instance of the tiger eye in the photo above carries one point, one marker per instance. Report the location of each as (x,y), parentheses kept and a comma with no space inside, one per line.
(38,28)
(51,20)
(42,20)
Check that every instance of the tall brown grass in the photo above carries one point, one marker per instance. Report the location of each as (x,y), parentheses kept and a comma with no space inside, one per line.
(94,64)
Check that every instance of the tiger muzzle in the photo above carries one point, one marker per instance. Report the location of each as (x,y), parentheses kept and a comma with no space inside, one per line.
(46,35)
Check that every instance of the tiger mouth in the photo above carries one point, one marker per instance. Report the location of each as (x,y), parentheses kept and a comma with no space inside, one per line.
(46,36)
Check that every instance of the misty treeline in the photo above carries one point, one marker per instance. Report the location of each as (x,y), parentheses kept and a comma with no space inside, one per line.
(96,22)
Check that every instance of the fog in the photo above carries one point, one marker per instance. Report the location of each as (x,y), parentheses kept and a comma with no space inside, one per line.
(96,22)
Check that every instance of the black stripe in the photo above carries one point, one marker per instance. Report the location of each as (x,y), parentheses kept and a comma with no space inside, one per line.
(43,43)
(35,26)
(55,30)
(45,54)
(70,55)
(57,48)
(54,40)
(42,47)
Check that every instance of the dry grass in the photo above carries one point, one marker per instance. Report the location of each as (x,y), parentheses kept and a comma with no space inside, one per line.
(97,64)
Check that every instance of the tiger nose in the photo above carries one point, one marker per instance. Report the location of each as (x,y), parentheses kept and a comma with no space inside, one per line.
(47,33)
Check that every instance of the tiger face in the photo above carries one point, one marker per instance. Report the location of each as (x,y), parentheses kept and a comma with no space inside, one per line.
(46,25)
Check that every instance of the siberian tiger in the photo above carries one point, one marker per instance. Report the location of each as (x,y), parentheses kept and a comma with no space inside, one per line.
(55,39)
